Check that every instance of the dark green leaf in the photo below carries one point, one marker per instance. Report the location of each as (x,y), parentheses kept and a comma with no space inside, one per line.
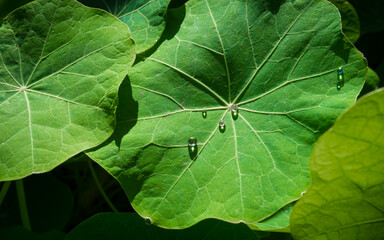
(345,199)
(132,226)
(7,6)
(349,19)
(372,82)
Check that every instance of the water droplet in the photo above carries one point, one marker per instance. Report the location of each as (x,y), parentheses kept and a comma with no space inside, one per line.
(235,114)
(235,111)
(192,147)
(204,113)
(338,85)
(340,78)
(222,126)
(147,221)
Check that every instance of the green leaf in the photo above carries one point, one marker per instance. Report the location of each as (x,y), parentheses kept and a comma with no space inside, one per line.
(277,62)
(60,67)
(7,6)
(345,198)
(128,225)
(278,222)
(349,19)
(145,18)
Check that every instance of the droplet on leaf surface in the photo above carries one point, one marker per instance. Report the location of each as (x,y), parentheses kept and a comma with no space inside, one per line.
(147,221)
(222,126)
(235,111)
(340,77)
(204,113)
(192,147)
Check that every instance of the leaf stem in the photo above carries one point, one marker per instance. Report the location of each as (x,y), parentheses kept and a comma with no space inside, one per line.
(106,198)
(22,204)
(4,190)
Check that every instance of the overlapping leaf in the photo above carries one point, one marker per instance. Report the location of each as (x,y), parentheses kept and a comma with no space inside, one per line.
(345,199)
(278,222)
(276,62)
(349,19)
(60,67)
(145,18)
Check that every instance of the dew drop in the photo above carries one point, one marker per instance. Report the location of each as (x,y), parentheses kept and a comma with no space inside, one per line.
(222,126)
(192,147)
(235,111)
(340,78)
(204,114)
(235,114)
(147,221)
(338,85)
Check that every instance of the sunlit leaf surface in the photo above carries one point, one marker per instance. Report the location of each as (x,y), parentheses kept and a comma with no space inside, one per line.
(266,74)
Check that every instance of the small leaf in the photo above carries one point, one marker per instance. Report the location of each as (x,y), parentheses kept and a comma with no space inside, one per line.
(276,63)
(372,82)
(145,18)
(60,67)
(349,19)
(126,225)
(345,199)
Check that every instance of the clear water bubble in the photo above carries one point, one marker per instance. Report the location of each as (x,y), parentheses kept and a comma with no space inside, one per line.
(192,147)
(222,126)
(235,111)
(340,78)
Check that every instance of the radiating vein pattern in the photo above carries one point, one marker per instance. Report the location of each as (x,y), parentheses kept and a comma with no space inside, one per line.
(267,72)
(59,76)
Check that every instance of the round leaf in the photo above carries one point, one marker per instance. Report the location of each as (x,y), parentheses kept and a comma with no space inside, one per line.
(276,64)
(60,67)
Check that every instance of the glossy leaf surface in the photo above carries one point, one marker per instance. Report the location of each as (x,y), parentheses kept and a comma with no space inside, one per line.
(276,64)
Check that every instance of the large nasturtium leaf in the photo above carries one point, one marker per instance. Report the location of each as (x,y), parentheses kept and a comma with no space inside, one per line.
(276,62)
(345,198)
(145,18)
(132,226)
(61,64)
